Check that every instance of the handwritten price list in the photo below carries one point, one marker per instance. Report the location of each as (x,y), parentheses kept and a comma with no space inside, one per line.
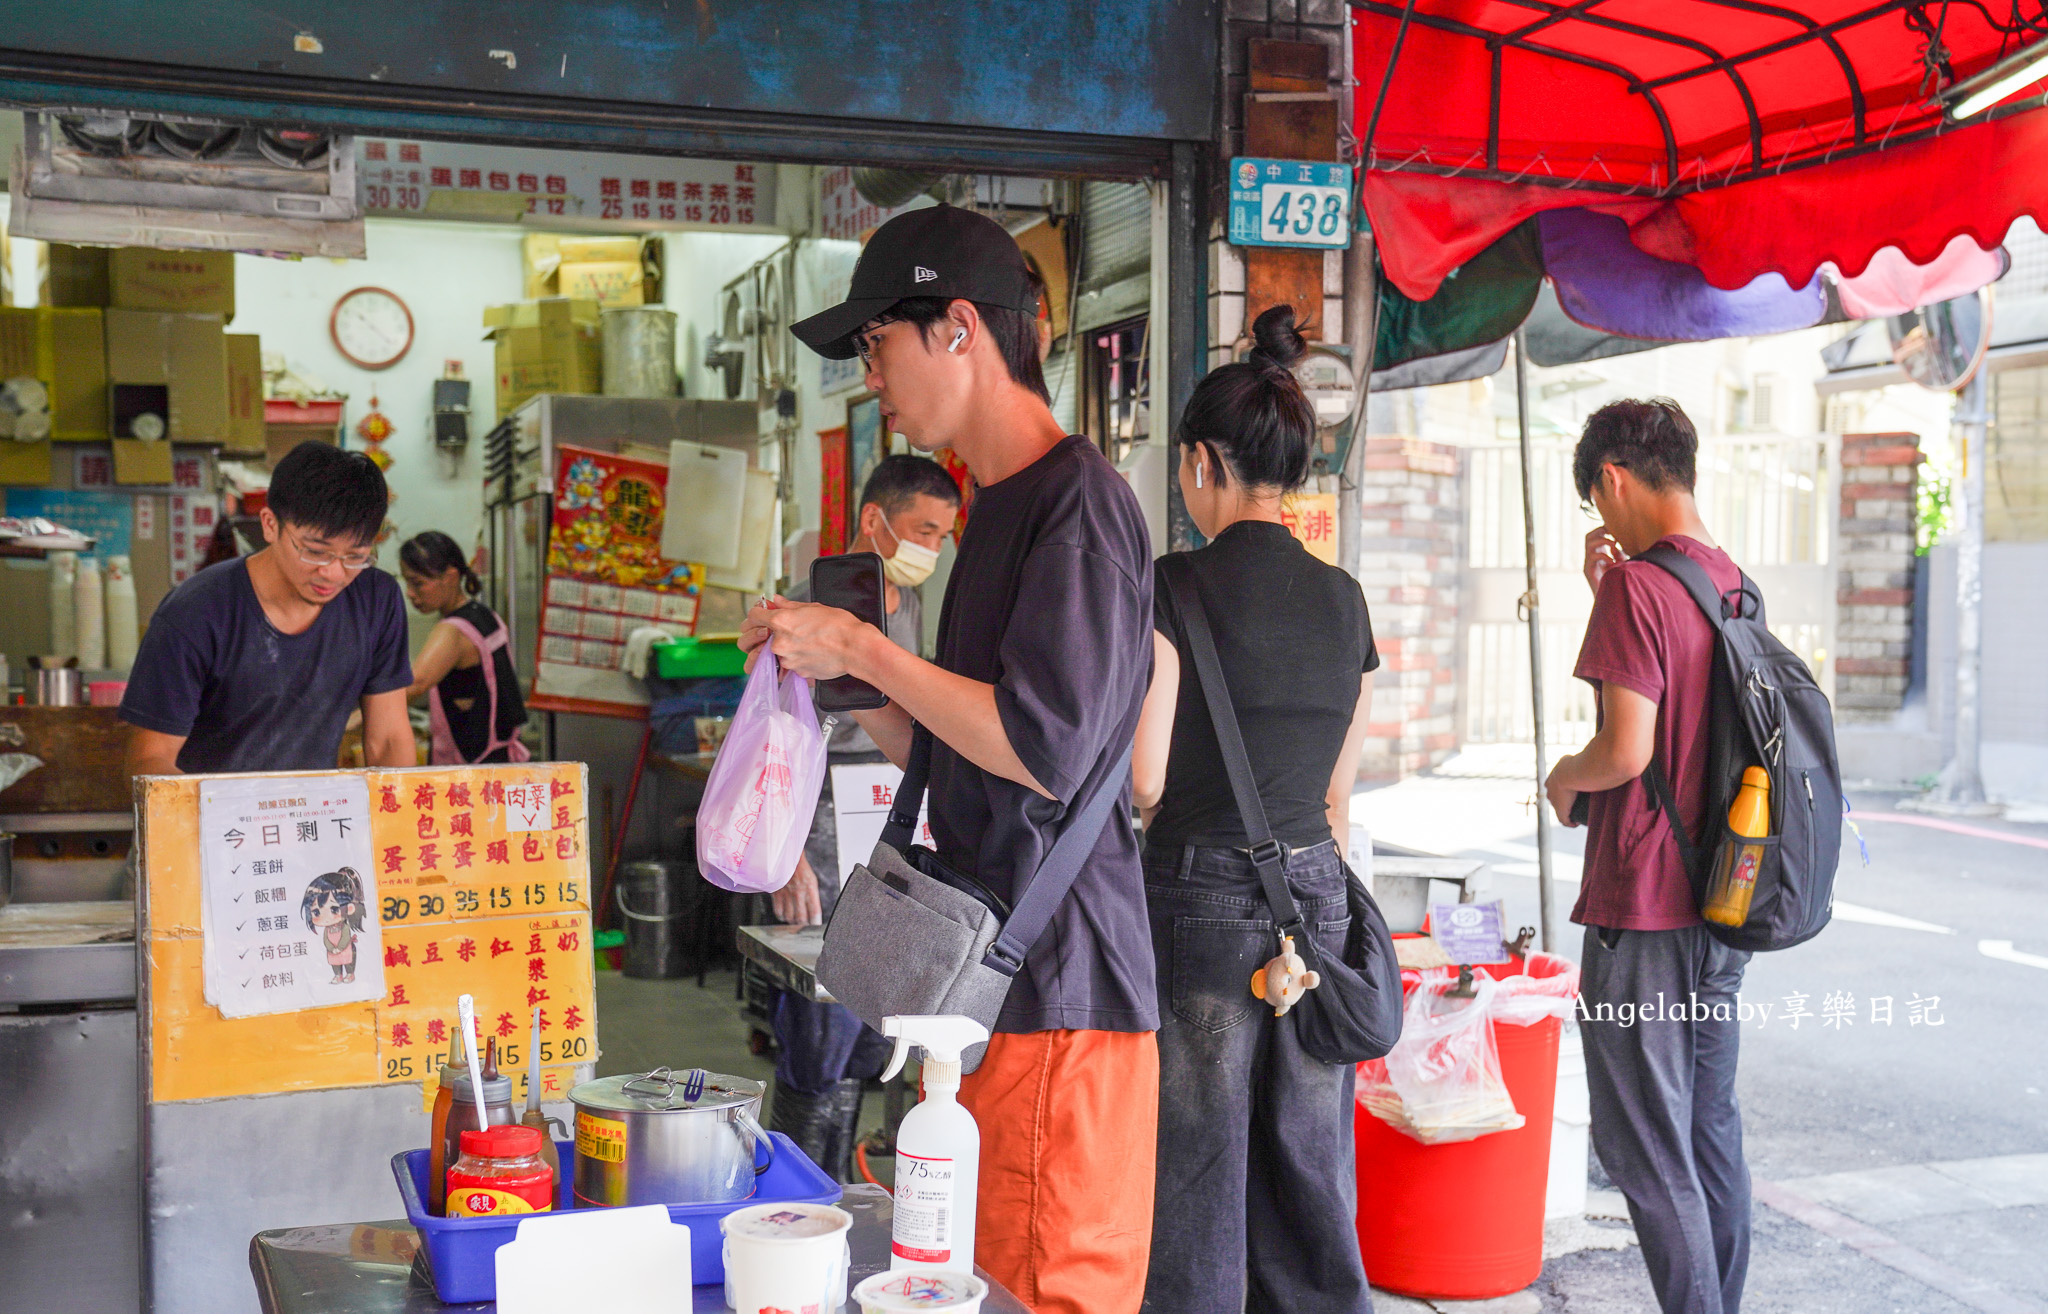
(483,881)
(479,848)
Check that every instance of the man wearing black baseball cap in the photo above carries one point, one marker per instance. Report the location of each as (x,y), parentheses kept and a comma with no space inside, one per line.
(1044,654)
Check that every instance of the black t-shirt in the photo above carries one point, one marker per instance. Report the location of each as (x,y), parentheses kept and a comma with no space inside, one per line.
(249,698)
(1293,638)
(466,698)
(1051,601)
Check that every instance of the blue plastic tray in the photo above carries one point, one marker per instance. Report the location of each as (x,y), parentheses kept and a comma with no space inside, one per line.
(463,1252)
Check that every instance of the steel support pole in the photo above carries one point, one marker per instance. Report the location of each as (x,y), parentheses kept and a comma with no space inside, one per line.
(1187,319)
(1962,781)
(1532,614)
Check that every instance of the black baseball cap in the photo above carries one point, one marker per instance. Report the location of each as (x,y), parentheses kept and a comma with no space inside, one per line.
(941,251)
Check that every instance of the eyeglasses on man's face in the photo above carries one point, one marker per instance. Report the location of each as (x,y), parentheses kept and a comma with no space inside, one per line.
(321,558)
(868,338)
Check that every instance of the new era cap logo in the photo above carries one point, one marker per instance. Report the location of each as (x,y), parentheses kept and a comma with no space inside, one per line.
(920,274)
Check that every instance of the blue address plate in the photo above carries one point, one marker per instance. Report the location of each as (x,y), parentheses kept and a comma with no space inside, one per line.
(1291,203)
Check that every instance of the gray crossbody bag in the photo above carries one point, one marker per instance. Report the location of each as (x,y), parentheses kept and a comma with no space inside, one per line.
(912,935)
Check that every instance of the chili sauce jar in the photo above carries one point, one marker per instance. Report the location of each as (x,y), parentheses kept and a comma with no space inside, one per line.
(500,1172)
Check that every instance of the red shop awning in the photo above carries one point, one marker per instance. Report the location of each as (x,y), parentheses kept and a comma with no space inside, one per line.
(1739,136)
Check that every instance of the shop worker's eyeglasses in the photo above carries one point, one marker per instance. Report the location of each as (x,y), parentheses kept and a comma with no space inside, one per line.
(320,558)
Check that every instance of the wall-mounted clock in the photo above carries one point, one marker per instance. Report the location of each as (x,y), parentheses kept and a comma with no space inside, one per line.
(371,327)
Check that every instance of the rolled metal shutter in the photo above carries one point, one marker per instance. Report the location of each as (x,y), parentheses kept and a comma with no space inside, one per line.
(1116,253)
(1065,389)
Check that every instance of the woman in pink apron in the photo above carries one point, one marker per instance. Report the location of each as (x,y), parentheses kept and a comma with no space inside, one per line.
(465,669)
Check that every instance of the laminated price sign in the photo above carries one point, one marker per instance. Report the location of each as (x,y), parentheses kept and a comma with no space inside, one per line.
(314,931)
(1290,203)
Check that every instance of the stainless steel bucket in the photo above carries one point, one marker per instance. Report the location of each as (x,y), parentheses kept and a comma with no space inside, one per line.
(668,1137)
(639,351)
(56,686)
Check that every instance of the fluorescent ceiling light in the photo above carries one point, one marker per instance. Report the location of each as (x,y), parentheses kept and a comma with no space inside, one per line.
(2001,81)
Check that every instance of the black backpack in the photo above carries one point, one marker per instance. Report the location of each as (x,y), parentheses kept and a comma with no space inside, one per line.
(1765,711)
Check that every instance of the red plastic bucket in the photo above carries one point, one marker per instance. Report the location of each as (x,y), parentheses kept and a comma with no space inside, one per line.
(1463,1221)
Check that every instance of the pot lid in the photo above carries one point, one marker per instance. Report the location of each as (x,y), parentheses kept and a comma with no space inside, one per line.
(665,1089)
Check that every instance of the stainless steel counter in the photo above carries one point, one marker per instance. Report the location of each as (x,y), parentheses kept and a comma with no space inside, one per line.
(373,1268)
(70,1203)
(67,953)
(70,1207)
(789,955)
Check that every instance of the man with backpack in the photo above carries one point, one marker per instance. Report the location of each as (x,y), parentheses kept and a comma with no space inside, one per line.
(1665,1120)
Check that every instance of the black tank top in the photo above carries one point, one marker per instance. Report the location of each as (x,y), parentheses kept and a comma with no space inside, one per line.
(466,698)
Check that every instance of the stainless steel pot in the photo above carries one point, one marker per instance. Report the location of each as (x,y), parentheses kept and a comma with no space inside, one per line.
(667,1137)
(59,686)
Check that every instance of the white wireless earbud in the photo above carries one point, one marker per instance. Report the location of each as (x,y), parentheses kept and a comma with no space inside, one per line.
(1198,476)
(959,336)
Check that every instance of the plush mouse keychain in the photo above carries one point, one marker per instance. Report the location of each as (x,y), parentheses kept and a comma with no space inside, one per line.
(1284,979)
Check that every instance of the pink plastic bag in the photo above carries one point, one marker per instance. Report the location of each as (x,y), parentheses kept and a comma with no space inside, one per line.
(764,786)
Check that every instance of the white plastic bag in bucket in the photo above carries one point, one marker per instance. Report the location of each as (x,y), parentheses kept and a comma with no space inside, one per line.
(1442,1082)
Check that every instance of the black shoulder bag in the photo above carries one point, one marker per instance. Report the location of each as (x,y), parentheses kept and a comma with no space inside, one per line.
(1355,1013)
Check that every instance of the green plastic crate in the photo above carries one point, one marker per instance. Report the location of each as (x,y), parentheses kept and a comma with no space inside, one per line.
(691,658)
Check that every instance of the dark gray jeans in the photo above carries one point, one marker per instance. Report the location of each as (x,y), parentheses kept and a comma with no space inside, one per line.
(1665,1121)
(1257,1188)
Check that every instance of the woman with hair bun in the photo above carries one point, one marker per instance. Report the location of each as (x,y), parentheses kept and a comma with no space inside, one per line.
(1256,1188)
(465,669)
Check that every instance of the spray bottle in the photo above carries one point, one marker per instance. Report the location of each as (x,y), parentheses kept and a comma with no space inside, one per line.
(938,1149)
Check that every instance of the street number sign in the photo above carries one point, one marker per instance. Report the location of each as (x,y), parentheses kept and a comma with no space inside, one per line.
(1297,203)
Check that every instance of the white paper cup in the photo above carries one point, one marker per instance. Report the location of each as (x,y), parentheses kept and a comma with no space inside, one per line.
(904,1291)
(785,1257)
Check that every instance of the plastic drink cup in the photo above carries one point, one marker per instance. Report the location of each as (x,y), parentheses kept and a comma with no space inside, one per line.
(787,1257)
(903,1291)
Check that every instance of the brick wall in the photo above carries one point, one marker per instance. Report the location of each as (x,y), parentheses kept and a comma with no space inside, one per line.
(1874,626)
(1411,527)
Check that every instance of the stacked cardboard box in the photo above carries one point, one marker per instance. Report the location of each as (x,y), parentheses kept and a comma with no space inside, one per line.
(612,271)
(136,278)
(131,331)
(549,345)
(174,366)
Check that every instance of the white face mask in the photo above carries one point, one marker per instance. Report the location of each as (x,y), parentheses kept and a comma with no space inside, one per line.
(913,563)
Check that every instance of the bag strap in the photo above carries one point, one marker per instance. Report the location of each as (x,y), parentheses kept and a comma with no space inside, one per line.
(901,827)
(1268,855)
(1706,595)
(1713,604)
(1659,785)
(1057,871)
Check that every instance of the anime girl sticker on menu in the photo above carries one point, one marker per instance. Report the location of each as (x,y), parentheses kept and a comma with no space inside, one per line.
(288,894)
(333,906)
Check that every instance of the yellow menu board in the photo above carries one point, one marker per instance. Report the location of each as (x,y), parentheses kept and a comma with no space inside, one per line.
(482,879)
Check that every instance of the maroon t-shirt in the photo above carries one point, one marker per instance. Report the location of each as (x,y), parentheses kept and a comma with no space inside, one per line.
(1647,634)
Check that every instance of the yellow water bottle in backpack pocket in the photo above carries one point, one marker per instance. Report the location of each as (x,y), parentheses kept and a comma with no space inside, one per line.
(1737,865)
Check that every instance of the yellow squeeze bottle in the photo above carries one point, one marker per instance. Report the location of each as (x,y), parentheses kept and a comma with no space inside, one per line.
(1734,883)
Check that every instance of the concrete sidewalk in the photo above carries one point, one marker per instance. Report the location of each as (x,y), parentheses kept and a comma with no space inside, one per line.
(1899,1144)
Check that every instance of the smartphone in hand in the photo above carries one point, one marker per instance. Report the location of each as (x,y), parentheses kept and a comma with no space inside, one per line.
(851,582)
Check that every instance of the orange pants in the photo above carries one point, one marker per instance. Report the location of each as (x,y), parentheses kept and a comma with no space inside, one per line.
(1069,1134)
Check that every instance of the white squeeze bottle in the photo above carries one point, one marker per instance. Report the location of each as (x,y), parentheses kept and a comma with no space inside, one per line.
(938,1149)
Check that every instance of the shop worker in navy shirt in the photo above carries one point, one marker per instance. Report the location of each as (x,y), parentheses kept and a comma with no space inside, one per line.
(1044,650)
(255,664)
